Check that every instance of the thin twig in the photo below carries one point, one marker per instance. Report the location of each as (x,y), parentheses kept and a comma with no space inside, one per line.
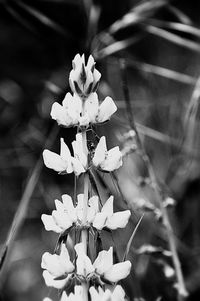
(182,292)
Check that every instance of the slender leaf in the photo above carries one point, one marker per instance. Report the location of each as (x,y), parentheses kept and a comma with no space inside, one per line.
(131,239)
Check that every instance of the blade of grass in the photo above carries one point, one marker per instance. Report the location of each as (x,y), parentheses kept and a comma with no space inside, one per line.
(43,19)
(136,14)
(185,28)
(116,47)
(171,37)
(20,214)
(19,18)
(179,14)
(191,122)
(163,72)
(131,239)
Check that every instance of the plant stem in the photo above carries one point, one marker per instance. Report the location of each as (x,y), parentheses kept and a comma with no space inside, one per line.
(182,292)
(84,232)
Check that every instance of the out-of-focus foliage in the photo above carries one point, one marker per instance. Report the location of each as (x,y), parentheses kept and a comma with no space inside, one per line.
(160,41)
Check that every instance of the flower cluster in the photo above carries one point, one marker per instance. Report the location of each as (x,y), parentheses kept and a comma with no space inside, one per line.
(58,269)
(67,215)
(66,163)
(76,275)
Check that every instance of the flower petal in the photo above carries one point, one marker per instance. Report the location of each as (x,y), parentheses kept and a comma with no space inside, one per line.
(59,114)
(57,265)
(100,152)
(54,161)
(65,260)
(59,205)
(90,63)
(118,294)
(99,221)
(50,224)
(84,265)
(106,109)
(113,160)
(52,264)
(73,105)
(79,207)
(104,261)
(118,220)
(62,219)
(77,167)
(51,282)
(91,107)
(108,206)
(68,205)
(93,208)
(96,76)
(118,271)
(65,155)
(80,152)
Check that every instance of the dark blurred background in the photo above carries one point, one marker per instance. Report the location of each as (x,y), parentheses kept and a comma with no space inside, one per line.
(160,42)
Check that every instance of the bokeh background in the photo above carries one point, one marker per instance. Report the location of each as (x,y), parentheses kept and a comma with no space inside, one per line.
(160,42)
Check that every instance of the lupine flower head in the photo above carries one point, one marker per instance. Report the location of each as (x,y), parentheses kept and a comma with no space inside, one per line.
(58,268)
(66,215)
(84,79)
(75,111)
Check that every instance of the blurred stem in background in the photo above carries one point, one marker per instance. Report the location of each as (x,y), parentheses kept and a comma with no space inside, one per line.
(160,196)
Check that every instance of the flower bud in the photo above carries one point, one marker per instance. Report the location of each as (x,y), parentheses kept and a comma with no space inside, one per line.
(84,78)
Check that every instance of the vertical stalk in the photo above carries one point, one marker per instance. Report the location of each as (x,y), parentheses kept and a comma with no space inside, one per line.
(182,292)
(84,232)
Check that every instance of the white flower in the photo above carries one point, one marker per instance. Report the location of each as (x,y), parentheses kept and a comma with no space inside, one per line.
(80,152)
(106,218)
(99,294)
(84,78)
(65,163)
(103,265)
(84,265)
(66,214)
(77,112)
(106,109)
(67,114)
(57,268)
(61,163)
(107,160)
